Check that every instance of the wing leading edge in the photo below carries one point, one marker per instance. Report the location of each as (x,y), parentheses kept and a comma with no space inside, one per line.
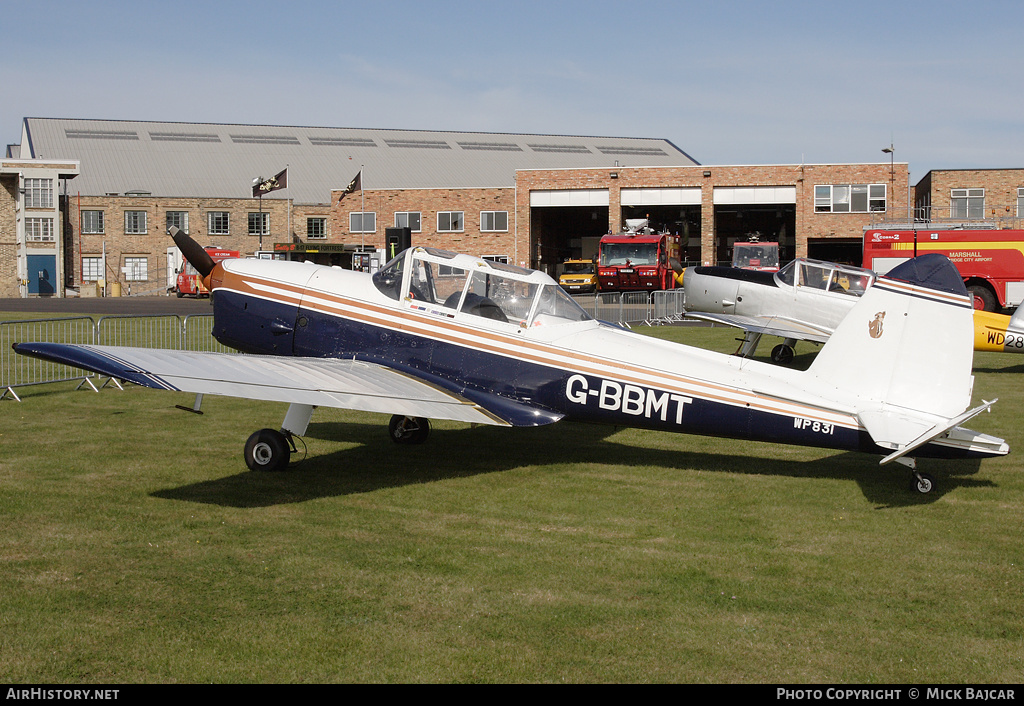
(320,382)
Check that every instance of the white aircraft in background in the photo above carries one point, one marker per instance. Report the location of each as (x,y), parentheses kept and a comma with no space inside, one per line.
(438,335)
(807,299)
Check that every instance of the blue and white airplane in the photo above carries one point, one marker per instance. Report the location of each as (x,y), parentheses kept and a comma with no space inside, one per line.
(439,335)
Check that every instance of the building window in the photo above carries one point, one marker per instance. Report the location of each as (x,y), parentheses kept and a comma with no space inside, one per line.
(1020,201)
(967,203)
(450,222)
(491,221)
(259,223)
(177,219)
(135,222)
(39,193)
(136,269)
(217,223)
(39,230)
(408,219)
(92,269)
(92,221)
(503,259)
(362,222)
(849,198)
(316,228)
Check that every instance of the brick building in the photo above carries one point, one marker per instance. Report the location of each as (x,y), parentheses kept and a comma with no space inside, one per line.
(532,200)
(993,195)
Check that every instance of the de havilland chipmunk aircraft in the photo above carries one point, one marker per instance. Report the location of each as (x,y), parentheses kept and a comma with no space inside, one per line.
(439,335)
(806,300)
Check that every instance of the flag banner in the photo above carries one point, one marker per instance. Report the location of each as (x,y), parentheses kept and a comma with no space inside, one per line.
(278,181)
(355,185)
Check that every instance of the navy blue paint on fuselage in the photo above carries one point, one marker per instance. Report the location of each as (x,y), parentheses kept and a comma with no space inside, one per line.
(755,276)
(512,388)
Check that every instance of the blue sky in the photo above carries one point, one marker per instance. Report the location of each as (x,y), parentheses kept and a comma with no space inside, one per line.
(727,82)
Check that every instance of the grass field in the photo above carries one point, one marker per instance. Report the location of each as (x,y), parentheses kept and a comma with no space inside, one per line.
(136,547)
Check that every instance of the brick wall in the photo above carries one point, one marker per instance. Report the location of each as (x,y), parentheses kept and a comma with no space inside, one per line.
(429,202)
(8,237)
(1000,187)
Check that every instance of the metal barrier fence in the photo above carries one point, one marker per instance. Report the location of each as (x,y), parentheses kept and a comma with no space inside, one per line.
(634,307)
(192,332)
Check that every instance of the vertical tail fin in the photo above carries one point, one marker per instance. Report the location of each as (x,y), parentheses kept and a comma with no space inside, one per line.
(904,345)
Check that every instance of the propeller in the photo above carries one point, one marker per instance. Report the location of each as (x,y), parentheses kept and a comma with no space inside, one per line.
(193,252)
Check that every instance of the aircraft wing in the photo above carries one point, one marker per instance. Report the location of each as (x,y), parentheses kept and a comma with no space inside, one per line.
(769,325)
(322,382)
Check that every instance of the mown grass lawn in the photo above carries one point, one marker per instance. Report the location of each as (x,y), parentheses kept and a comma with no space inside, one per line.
(135,546)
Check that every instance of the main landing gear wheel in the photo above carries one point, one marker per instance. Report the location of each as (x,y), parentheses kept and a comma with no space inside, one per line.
(267,450)
(782,354)
(408,430)
(922,483)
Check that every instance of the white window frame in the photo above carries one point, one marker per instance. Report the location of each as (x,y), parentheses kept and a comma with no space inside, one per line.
(38,193)
(178,219)
(92,268)
(447,224)
(135,223)
(1020,201)
(316,233)
(970,200)
(213,218)
(404,219)
(357,222)
(254,225)
(92,221)
(39,230)
(136,268)
(493,226)
(843,198)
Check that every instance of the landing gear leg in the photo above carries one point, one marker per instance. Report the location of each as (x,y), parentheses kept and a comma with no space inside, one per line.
(922,483)
(783,353)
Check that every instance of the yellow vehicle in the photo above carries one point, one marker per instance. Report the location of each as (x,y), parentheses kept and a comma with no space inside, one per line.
(578,276)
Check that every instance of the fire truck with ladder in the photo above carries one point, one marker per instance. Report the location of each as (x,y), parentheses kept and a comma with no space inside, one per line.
(990,260)
(638,259)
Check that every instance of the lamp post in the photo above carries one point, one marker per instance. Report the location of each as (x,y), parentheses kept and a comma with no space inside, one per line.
(890,150)
(256,183)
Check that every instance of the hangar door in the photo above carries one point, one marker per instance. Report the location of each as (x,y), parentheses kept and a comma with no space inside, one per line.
(676,210)
(745,212)
(565,224)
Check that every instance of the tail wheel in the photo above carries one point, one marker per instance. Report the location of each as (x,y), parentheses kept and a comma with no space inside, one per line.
(267,450)
(408,430)
(922,483)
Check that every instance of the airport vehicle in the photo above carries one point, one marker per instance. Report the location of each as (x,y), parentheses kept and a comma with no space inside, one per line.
(189,283)
(578,276)
(638,259)
(756,255)
(990,261)
(807,299)
(435,334)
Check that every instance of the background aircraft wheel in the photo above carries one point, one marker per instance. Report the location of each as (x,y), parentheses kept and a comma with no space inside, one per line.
(922,483)
(408,430)
(782,354)
(983,299)
(267,450)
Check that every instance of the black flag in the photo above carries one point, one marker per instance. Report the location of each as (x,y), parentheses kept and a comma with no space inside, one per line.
(355,185)
(279,181)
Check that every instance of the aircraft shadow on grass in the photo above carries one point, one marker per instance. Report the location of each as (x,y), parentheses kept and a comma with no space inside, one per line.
(374,463)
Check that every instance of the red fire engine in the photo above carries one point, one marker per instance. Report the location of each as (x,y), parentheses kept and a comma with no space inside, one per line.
(991,261)
(638,259)
(188,282)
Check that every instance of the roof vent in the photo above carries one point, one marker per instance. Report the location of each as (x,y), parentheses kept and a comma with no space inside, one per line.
(491,146)
(100,134)
(184,137)
(420,144)
(342,142)
(265,139)
(567,149)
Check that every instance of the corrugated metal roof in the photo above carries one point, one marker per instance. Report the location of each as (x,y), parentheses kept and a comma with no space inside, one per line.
(206,160)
